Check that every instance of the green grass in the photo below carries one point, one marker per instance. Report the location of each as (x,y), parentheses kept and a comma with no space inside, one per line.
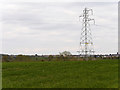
(61,74)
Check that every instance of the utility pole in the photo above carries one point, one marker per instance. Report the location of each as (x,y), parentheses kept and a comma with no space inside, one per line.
(86,42)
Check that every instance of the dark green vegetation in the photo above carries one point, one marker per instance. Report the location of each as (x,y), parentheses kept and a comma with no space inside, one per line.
(61,74)
(27,58)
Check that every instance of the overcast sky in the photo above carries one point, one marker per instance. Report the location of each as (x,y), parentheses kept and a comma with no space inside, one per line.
(52,27)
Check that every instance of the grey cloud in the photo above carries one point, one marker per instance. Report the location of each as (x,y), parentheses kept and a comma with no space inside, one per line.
(53,25)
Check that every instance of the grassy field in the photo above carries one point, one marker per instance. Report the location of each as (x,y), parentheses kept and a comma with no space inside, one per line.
(61,74)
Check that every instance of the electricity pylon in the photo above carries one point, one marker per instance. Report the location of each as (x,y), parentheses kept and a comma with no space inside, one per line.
(86,42)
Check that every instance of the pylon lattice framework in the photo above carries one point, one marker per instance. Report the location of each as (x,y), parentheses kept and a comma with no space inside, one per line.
(86,42)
